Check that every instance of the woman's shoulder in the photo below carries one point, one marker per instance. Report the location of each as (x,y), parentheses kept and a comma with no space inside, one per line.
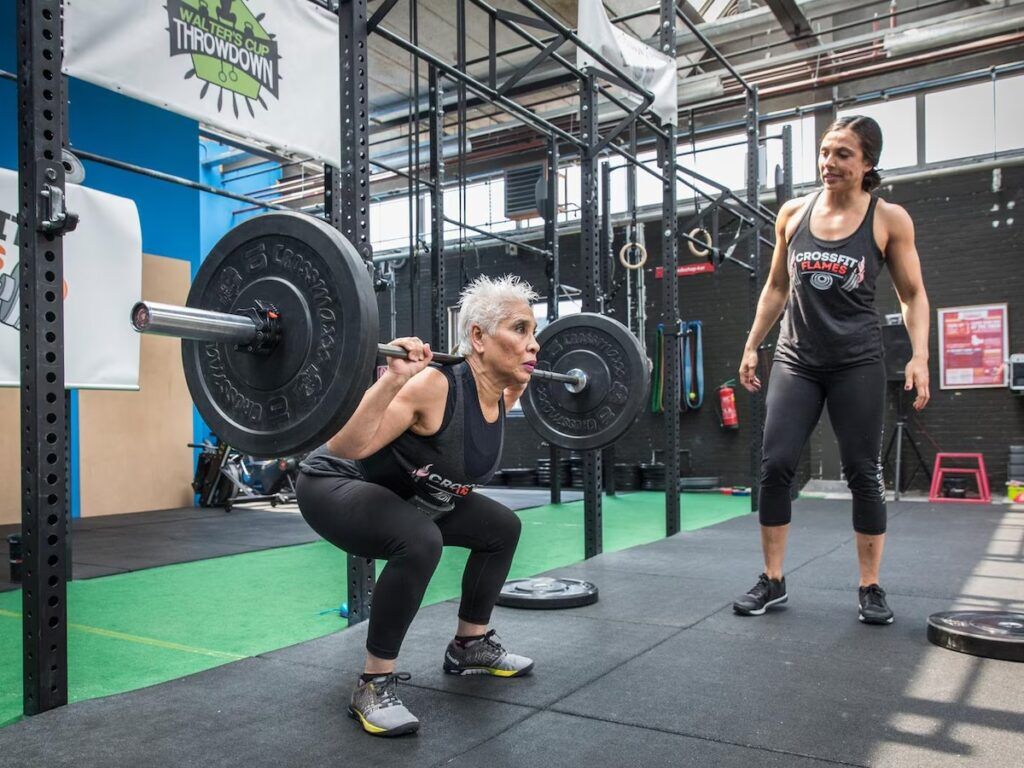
(430,383)
(797,204)
(791,213)
(894,219)
(891,212)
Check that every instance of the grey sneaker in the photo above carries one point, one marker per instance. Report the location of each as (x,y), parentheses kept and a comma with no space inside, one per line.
(873,607)
(762,596)
(375,704)
(485,657)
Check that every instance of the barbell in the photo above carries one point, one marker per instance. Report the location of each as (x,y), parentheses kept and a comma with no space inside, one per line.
(279,339)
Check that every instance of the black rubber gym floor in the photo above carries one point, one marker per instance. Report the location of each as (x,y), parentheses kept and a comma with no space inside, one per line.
(658,673)
(102,546)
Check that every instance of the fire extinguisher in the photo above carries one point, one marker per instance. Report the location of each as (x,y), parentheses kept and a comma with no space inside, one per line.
(727,406)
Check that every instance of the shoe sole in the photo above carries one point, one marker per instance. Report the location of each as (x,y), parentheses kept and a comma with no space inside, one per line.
(875,621)
(487,671)
(374,730)
(760,611)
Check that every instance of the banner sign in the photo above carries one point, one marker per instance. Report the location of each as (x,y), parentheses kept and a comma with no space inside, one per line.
(102,281)
(973,346)
(650,69)
(258,68)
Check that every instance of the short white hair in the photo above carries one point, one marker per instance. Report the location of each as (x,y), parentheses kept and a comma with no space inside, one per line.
(488,300)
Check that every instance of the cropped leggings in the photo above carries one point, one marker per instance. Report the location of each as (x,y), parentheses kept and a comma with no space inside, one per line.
(855,398)
(369,520)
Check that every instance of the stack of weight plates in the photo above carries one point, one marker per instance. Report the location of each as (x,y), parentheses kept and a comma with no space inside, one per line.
(627,477)
(565,472)
(521,477)
(652,477)
(576,473)
(1015,467)
(544,472)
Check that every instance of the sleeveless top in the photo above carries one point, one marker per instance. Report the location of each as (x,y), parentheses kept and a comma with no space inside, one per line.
(440,468)
(830,319)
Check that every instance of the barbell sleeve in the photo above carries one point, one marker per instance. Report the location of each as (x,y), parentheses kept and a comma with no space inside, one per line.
(190,323)
(222,327)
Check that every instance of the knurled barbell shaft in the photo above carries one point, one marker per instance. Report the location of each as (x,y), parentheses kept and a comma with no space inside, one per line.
(222,327)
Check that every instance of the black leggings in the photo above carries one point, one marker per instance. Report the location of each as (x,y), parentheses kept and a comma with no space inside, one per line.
(368,520)
(856,406)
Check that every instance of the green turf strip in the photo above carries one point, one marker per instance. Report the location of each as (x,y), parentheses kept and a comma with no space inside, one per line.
(137,629)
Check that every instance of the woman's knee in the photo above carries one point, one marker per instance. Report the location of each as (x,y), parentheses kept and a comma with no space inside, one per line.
(508,527)
(864,479)
(777,470)
(421,545)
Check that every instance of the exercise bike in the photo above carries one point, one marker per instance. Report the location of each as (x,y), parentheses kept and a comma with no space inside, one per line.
(225,477)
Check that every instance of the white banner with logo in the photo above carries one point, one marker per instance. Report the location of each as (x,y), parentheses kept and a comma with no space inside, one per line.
(102,280)
(649,68)
(267,69)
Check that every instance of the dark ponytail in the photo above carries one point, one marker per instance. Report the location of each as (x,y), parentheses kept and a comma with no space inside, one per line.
(870,136)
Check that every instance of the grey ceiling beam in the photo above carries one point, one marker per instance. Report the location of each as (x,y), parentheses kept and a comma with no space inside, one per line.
(794,22)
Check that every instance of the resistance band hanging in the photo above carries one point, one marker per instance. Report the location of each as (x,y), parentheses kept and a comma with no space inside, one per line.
(691,360)
(658,374)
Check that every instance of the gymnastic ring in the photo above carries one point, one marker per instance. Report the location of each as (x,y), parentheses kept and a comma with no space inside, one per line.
(632,264)
(702,234)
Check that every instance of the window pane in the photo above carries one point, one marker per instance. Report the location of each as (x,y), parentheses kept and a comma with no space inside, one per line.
(389,223)
(726,165)
(648,188)
(619,182)
(898,121)
(948,135)
(805,150)
(478,205)
(1010,113)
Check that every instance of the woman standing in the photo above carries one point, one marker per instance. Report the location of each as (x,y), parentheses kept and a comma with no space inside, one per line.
(830,248)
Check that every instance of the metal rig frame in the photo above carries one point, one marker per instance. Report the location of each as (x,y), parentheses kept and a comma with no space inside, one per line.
(589,144)
(42,115)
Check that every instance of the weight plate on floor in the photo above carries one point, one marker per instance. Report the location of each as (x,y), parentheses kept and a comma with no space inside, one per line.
(295,397)
(617,381)
(546,592)
(992,634)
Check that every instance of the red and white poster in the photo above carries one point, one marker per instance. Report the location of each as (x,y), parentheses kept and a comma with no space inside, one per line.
(973,346)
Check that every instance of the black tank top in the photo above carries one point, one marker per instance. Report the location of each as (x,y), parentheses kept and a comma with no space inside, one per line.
(830,319)
(440,468)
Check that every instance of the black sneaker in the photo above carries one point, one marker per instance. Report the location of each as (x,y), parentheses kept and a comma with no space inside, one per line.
(485,657)
(763,595)
(873,608)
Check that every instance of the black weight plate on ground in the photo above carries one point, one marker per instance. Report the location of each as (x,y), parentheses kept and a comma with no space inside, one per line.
(697,483)
(618,377)
(299,394)
(547,593)
(992,634)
